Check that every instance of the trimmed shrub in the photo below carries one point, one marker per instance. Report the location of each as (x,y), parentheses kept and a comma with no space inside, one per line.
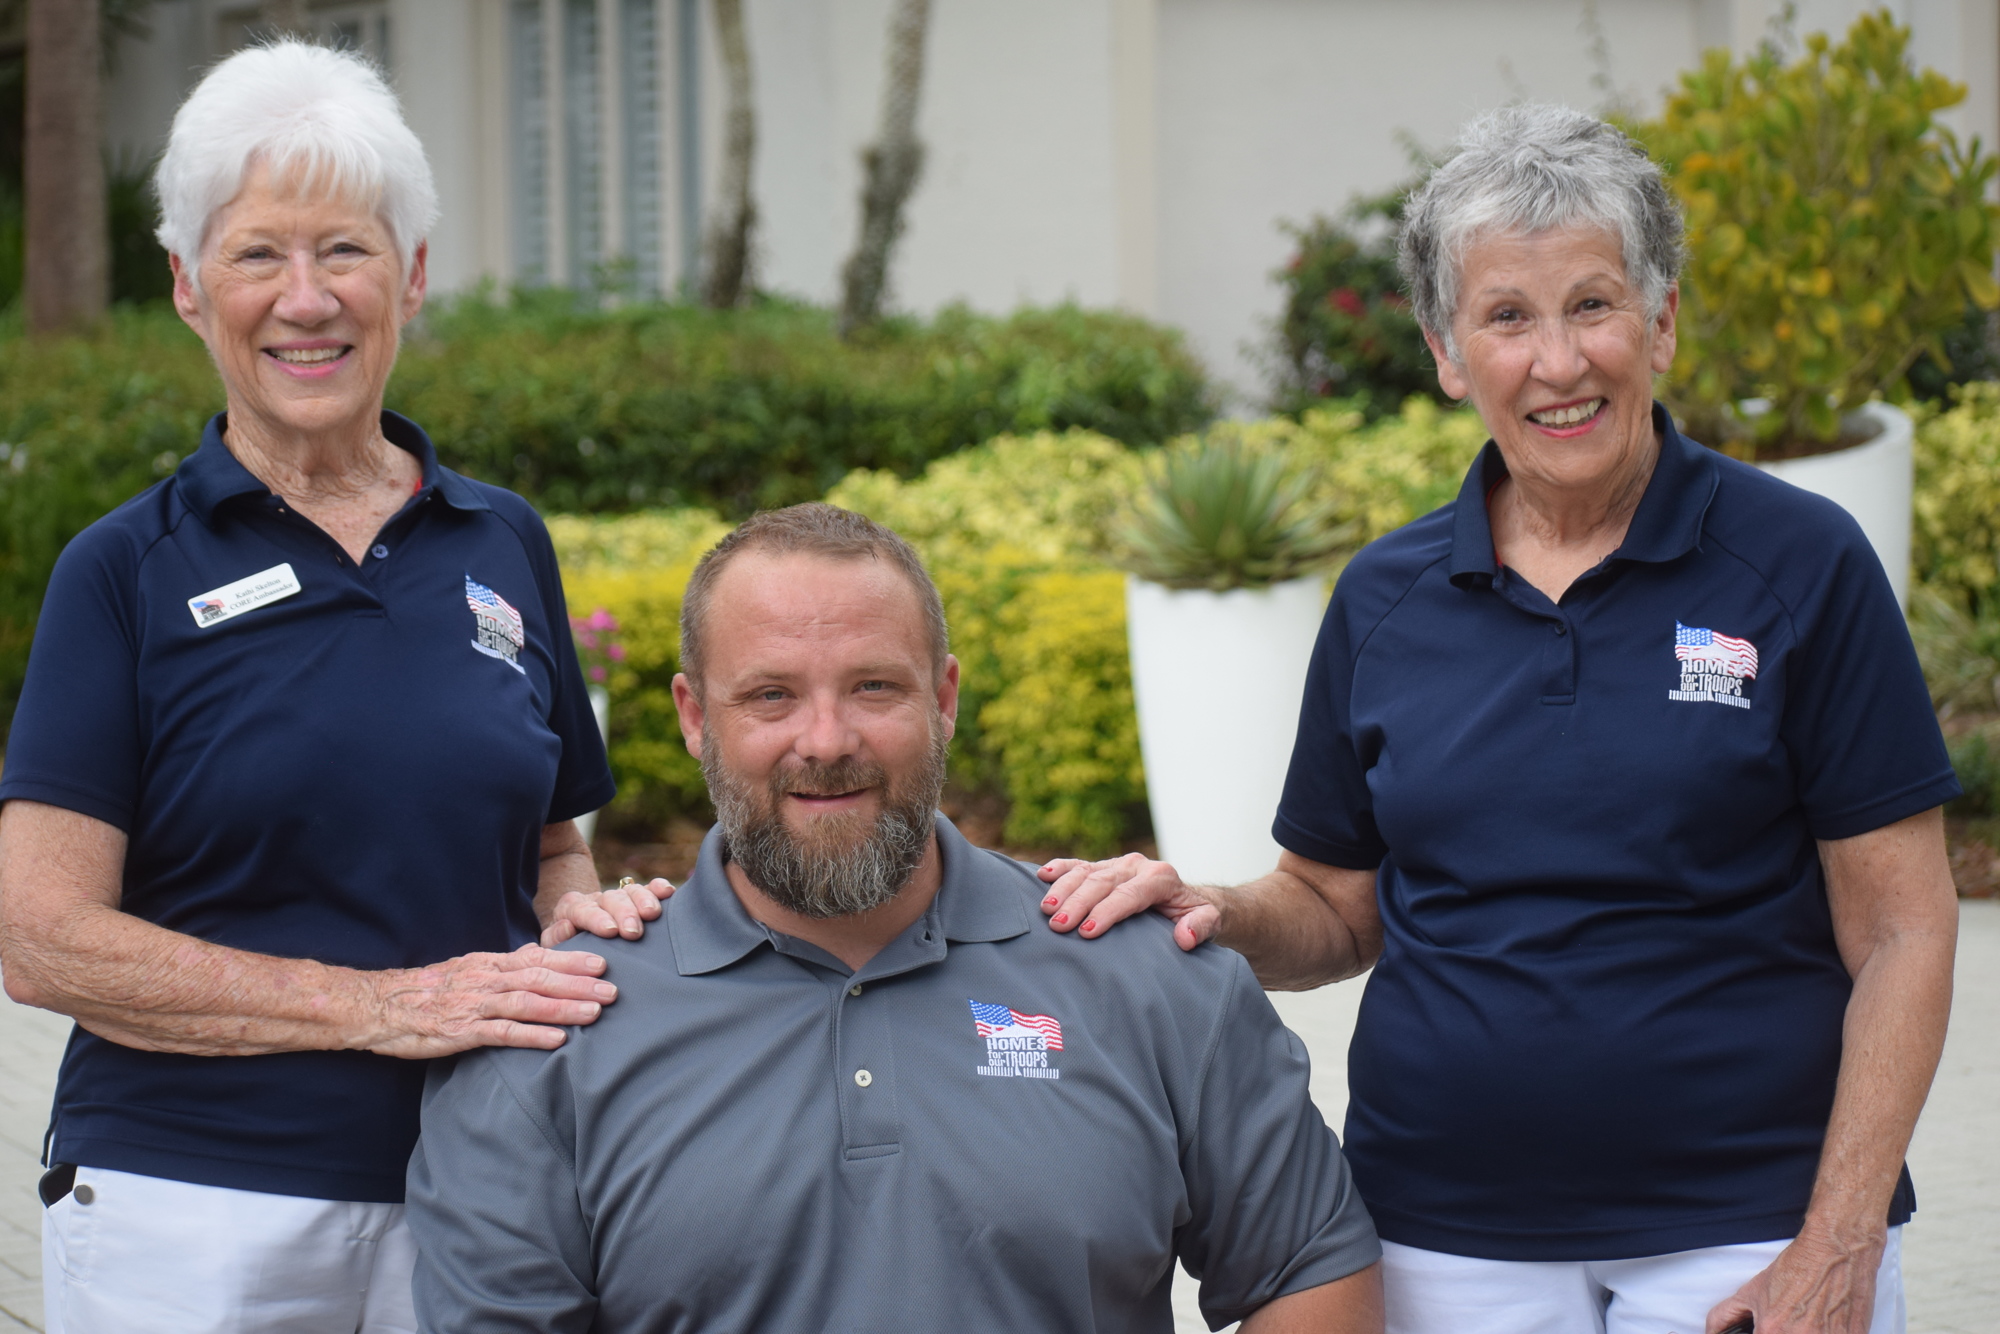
(1064,729)
(637,567)
(670,405)
(85,424)
(1956,538)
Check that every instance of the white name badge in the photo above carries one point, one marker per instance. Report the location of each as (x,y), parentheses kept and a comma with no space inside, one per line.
(246,594)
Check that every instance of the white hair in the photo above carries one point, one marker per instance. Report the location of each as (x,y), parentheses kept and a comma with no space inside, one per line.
(1534,169)
(322,118)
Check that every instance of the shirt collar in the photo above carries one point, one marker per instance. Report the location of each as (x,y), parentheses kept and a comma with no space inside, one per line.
(1666,525)
(711,929)
(212,474)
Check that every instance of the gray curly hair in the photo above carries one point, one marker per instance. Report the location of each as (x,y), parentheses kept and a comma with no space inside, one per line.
(1529,169)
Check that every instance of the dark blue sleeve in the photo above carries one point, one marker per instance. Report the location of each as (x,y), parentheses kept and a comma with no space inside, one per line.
(1326,814)
(1858,718)
(583,774)
(75,741)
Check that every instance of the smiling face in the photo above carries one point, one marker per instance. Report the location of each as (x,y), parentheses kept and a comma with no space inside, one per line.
(1557,354)
(301,301)
(821,725)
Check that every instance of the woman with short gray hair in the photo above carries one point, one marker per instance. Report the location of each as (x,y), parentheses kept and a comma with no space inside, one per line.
(1620,774)
(300,721)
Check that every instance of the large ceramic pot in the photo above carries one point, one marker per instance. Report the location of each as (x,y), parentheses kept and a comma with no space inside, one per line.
(1218,678)
(1872,481)
(600,704)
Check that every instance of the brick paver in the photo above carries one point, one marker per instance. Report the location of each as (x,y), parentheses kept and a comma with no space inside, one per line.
(1952,1248)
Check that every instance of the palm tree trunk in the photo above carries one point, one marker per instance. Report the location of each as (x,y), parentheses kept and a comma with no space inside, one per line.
(67,279)
(890,168)
(727,262)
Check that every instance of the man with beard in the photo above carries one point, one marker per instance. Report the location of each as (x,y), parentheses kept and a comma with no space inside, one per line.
(849,1086)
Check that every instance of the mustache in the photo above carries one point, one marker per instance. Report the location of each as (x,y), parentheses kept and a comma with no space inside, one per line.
(811,779)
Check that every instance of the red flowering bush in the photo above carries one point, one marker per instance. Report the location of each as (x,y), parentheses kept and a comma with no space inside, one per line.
(1346,331)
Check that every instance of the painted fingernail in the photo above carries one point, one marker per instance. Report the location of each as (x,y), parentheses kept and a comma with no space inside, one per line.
(1049,902)
(1090,925)
(604,991)
(1061,917)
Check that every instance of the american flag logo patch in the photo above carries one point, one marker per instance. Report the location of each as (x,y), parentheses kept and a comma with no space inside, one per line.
(496,625)
(1017,1044)
(1713,666)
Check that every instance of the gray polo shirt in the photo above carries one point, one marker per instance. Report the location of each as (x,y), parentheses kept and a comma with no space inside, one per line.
(990,1126)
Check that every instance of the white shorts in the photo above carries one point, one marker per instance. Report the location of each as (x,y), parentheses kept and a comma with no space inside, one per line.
(167,1257)
(1428,1292)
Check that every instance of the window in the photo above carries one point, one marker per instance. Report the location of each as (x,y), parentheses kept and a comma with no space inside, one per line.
(587,140)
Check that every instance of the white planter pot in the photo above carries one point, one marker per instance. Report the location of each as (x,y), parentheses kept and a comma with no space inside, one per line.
(1218,678)
(1872,481)
(600,704)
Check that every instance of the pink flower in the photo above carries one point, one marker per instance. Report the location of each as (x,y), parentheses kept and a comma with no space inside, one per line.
(597,674)
(617,653)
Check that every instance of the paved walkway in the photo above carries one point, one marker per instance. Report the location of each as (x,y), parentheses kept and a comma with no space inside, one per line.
(1952,1248)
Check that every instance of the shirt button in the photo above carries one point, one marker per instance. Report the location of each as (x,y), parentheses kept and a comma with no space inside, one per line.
(854,990)
(379,552)
(1561,629)
(863,1078)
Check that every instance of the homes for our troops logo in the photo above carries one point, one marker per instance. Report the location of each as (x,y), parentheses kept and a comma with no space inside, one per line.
(1017,1045)
(1713,667)
(497,625)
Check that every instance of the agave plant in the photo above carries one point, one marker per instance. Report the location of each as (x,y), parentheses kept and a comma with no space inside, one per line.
(1222,513)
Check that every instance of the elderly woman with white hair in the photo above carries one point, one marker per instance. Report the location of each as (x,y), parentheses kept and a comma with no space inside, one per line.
(1620,773)
(300,721)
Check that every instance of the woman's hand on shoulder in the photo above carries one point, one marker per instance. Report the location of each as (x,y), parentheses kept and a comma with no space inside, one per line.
(1092,897)
(522,999)
(622,911)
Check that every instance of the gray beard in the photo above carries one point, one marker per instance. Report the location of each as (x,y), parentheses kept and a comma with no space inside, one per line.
(846,864)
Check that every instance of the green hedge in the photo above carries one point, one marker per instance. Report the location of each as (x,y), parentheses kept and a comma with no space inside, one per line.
(668,405)
(584,410)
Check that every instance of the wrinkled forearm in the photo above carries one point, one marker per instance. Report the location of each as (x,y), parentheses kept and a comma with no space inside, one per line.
(1292,937)
(143,986)
(1891,1041)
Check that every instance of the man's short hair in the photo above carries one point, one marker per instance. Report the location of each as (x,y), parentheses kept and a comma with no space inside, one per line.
(815,530)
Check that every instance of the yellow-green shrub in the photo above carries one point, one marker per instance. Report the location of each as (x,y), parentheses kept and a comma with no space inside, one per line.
(1375,477)
(1835,231)
(636,567)
(1063,728)
(1956,537)
(1014,531)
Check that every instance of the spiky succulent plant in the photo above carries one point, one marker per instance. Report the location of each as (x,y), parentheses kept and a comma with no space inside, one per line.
(1222,513)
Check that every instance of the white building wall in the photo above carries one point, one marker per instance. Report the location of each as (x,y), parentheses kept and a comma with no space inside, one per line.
(1130,152)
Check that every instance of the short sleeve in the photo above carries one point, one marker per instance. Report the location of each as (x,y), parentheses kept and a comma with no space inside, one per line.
(583,774)
(1273,1208)
(1326,814)
(75,740)
(1858,718)
(501,1240)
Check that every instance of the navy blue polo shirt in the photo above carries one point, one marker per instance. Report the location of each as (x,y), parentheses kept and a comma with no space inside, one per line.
(1607,1017)
(356,772)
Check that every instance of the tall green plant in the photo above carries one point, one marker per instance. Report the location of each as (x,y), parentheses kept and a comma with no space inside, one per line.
(1836,231)
(1224,512)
